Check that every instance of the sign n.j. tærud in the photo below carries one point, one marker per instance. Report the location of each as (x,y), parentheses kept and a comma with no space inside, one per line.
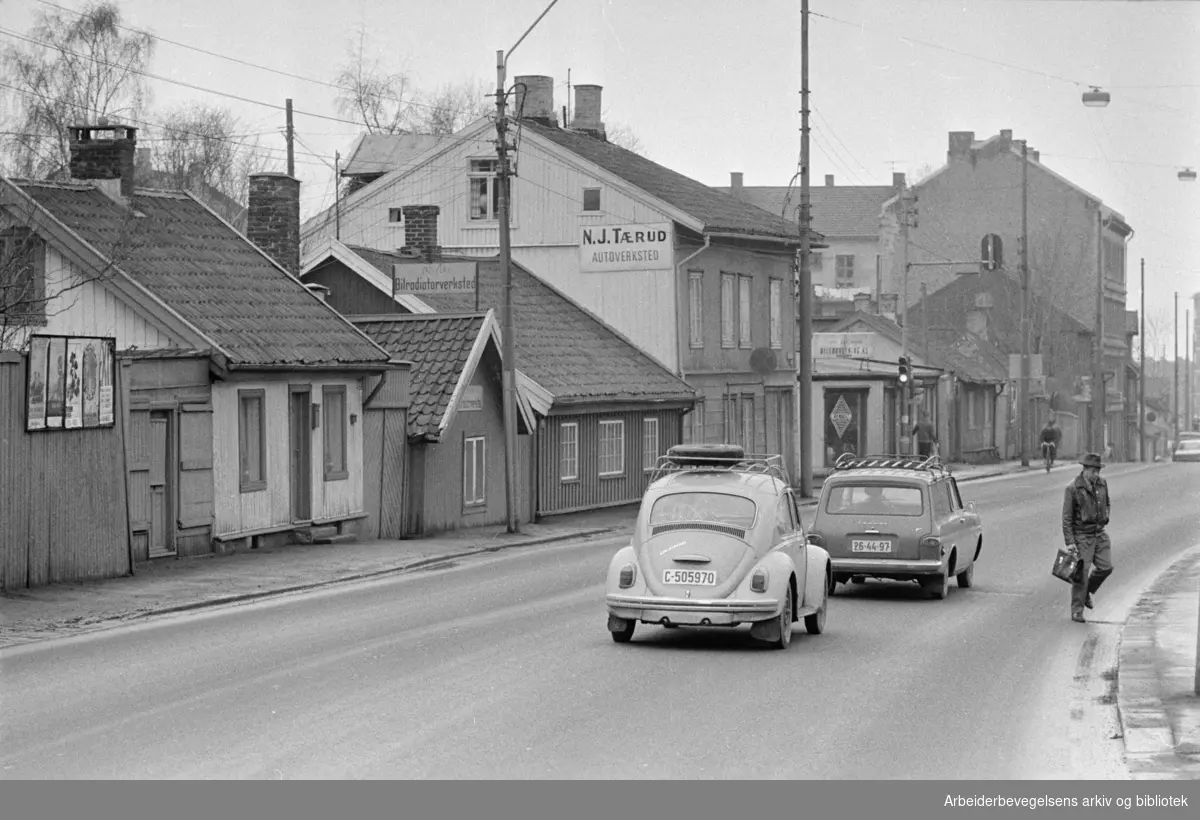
(628,246)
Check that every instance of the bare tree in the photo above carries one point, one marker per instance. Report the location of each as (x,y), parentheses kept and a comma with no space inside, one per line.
(452,108)
(371,95)
(623,137)
(198,149)
(72,68)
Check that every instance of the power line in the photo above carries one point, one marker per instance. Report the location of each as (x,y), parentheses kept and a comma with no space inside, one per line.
(250,64)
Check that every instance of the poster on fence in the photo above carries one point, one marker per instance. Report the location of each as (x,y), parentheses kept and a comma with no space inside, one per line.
(70,382)
(36,404)
(56,381)
(73,415)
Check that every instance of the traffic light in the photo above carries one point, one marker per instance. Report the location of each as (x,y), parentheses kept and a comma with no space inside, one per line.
(905,373)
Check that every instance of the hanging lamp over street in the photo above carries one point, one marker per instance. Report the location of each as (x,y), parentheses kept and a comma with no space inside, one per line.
(1187,175)
(1096,98)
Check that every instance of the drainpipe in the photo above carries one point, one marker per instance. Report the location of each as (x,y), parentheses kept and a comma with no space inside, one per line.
(679,293)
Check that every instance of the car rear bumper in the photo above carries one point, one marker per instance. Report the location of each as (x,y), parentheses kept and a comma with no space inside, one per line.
(886,567)
(698,612)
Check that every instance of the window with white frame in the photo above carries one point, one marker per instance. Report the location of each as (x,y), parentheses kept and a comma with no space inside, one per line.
(844,270)
(474,471)
(591,199)
(484,196)
(334,437)
(733,418)
(612,448)
(395,216)
(252,440)
(816,260)
(748,423)
(568,451)
(744,311)
(777,313)
(649,443)
(728,310)
(698,432)
(696,308)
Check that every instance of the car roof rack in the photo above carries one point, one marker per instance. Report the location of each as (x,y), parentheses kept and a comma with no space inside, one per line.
(718,458)
(931,464)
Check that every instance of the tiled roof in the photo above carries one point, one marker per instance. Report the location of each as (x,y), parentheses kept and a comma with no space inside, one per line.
(438,346)
(718,211)
(845,210)
(375,154)
(559,344)
(210,275)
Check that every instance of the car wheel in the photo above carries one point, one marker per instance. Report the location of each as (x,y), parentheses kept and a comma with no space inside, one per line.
(937,586)
(625,633)
(966,577)
(815,623)
(785,622)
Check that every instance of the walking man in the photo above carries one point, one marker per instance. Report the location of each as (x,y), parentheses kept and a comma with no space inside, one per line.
(1086,506)
(926,436)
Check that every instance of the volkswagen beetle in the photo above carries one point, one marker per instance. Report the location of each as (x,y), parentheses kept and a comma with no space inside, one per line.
(719,543)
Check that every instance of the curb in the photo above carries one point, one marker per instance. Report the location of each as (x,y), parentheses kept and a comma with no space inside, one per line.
(423,562)
(1145,725)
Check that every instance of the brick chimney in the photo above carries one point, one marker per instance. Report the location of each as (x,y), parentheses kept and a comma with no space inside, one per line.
(735,183)
(534,99)
(829,180)
(587,111)
(273,218)
(104,154)
(960,145)
(421,231)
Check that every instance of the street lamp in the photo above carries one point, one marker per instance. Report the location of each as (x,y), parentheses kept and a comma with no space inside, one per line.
(1096,98)
(1187,175)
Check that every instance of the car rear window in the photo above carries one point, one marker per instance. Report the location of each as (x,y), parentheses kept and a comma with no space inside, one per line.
(1190,444)
(715,508)
(874,499)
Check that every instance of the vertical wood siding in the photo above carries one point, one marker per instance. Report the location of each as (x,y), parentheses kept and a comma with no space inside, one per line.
(240,512)
(62,497)
(590,490)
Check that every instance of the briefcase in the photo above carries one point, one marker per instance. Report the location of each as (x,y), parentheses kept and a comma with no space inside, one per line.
(1067,566)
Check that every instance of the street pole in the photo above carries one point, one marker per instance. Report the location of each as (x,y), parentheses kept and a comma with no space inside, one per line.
(509,353)
(291,151)
(337,199)
(1097,435)
(804,359)
(1023,387)
(1142,365)
(1175,383)
(1188,329)
(905,389)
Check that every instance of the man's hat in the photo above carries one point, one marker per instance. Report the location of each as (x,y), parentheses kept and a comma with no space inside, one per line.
(1092,460)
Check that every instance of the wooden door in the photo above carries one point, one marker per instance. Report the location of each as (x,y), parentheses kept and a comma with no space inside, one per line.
(300,438)
(162,529)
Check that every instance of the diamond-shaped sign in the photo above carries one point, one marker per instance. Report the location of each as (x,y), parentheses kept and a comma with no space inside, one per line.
(841,416)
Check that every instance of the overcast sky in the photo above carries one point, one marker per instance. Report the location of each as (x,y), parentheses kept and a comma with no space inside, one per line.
(712,86)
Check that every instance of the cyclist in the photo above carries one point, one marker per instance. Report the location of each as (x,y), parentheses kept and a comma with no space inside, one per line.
(1050,435)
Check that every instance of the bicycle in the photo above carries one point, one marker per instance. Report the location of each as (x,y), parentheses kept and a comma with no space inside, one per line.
(1048,454)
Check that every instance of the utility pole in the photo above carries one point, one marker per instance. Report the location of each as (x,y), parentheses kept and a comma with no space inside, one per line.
(803,444)
(1098,363)
(1142,365)
(1023,387)
(337,196)
(1188,330)
(905,389)
(510,410)
(1175,383)
(291,136)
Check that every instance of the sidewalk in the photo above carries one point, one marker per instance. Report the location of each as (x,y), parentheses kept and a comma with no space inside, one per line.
(1156,668)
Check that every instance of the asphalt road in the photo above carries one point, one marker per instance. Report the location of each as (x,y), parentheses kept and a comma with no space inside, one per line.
(501,667)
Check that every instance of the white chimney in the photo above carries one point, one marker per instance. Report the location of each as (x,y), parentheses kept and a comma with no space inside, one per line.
(535,99)
(587,111)
(735,183)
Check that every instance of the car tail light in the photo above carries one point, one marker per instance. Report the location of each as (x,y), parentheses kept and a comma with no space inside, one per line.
(931,547)
(628,574)
(759,580)
(816,539)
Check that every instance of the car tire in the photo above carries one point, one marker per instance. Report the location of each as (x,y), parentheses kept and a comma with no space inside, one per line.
(815,623)
(785,623)
(966,577)
(625,633)
(938,586)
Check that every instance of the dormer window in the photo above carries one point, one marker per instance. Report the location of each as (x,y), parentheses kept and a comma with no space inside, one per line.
(591,199)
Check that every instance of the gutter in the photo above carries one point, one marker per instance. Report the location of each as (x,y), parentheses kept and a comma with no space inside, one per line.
(679,303)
